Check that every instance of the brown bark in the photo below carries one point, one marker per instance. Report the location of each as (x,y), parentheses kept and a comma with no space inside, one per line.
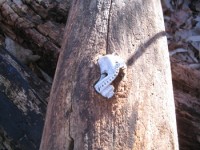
(36,25)
(186,82)
(141,115)
(45,20)
(185,78)
(23,99)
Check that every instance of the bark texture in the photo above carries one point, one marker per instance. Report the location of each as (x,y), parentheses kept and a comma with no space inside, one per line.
(186,83)
(141,115)
(23,100)
(37,25)
(30,23)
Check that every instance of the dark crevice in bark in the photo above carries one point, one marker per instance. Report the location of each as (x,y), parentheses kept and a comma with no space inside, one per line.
(68,114)
(108,29)
(71,145)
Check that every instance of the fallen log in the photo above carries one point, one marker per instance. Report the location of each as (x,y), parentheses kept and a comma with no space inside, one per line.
(186,83)
(23,100)
(185,78)
(36,25)
(188,122)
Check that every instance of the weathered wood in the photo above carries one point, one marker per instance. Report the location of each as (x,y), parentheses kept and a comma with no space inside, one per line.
(37,25)
(186,83)
(23,99)
(48,19)
(188,122)
(141,115)
(185,78)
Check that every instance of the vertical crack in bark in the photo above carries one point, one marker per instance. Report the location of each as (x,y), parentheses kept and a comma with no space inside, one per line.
(70,140)
(108,28)
(71,144)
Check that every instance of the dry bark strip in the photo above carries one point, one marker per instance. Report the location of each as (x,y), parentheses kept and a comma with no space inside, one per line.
(186,82)
(141,115)
(185,78)
(37,25)
(23,100)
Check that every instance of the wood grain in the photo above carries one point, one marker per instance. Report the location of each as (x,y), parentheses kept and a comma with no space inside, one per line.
(141,115)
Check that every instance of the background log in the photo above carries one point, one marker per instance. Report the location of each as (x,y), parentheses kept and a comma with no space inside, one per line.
(186,82)
(141,115)
(36,25)
(23,99)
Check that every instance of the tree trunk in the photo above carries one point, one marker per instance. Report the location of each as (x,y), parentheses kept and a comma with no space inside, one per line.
(141,115)
(38,20)
(23,100)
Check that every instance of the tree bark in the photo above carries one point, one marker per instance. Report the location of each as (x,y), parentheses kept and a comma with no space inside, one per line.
(186,82)
(23,100)
(37,25)
(47,22)
(141,115)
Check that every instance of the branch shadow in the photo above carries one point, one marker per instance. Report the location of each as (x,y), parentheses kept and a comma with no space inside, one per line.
(143,47)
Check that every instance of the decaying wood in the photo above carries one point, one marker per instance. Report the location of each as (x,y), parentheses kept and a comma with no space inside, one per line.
(141,115)
(186,82)
(188,122)
(37,25)
(185,78)
(23,100)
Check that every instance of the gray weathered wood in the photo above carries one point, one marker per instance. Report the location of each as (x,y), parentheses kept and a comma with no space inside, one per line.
(141,115)
(23,100)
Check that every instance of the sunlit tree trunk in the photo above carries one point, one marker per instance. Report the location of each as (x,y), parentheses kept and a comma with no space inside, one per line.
(141,115)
